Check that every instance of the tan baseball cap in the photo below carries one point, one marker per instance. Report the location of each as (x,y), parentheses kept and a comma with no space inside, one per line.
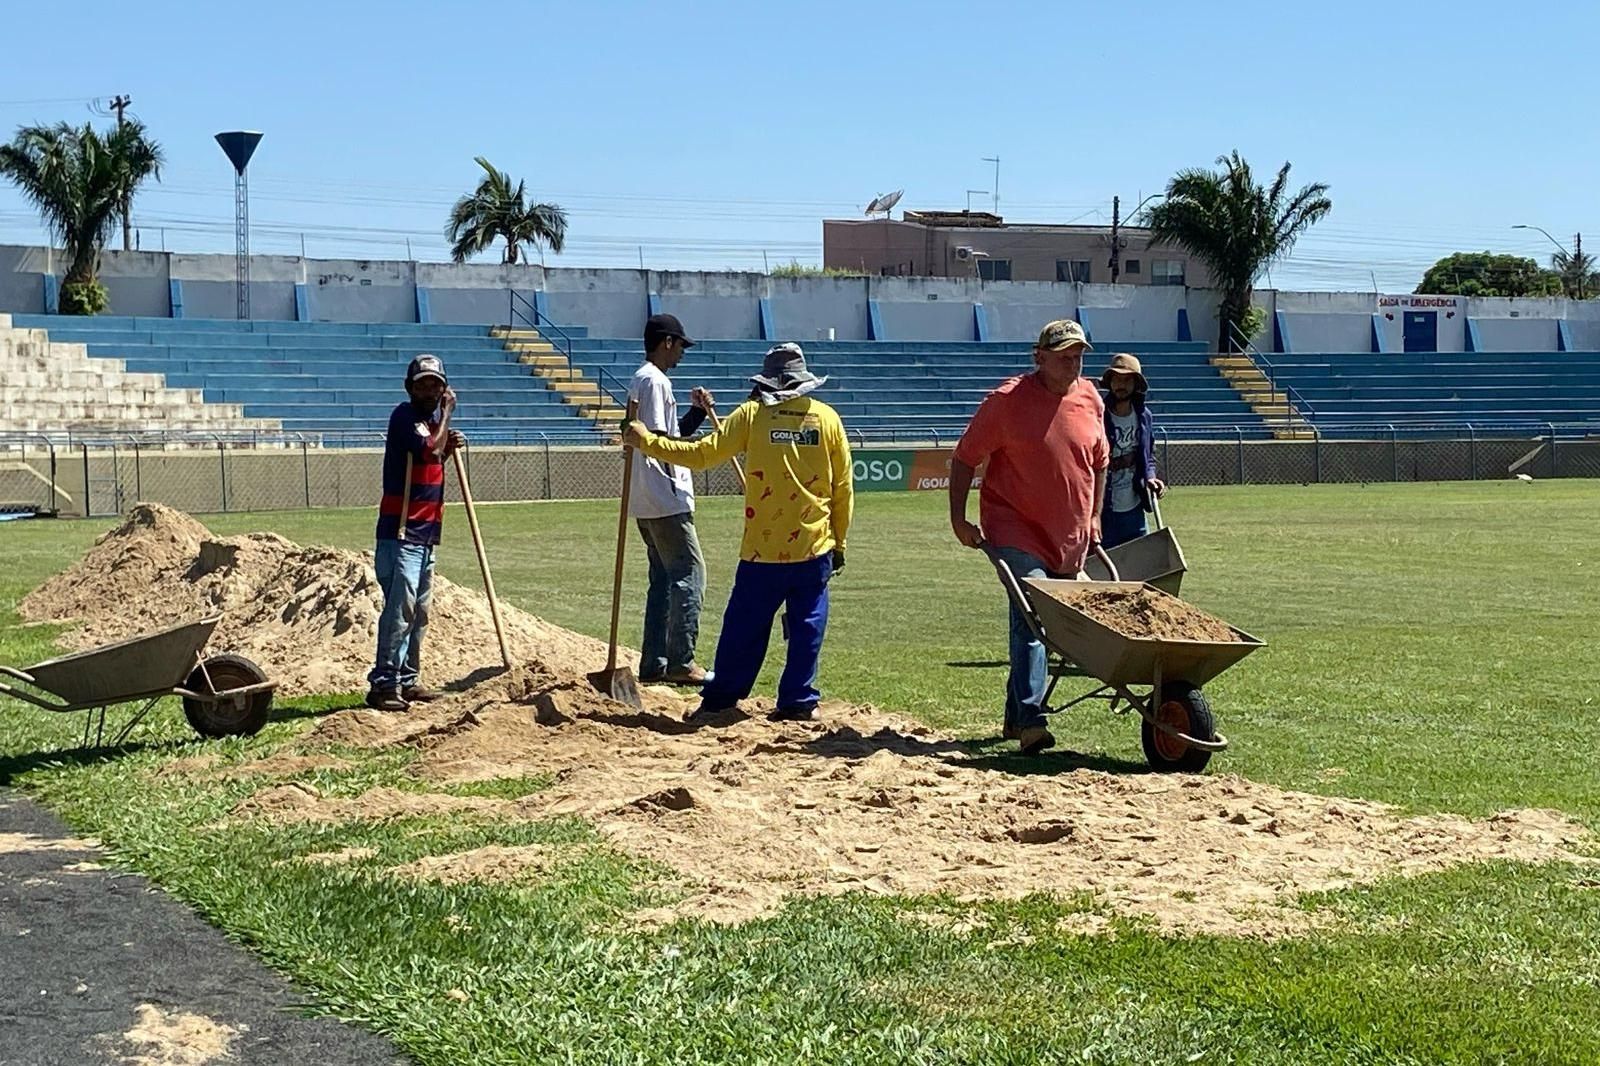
(1061,334)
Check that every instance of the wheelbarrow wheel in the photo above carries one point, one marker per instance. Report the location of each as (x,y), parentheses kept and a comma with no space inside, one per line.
(1183,707)
(227,716)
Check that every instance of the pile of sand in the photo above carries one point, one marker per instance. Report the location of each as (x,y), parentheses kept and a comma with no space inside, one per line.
(308,616)
(1143,612)
(749,812)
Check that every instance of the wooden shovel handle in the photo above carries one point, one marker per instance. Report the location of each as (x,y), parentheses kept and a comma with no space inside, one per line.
(622,541)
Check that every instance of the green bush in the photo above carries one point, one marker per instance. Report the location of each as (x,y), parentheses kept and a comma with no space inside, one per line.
(84,298)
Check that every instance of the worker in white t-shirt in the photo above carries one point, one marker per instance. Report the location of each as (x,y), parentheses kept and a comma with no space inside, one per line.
(662,503)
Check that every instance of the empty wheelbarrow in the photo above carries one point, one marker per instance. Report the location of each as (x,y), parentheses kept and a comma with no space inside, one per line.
(1178,731)
(1155,558)
(223,695)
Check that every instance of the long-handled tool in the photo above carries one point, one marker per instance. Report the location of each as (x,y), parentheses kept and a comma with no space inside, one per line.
(483,559)
(615,681)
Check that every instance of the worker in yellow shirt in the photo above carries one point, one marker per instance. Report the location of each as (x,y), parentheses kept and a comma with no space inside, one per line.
(797,503)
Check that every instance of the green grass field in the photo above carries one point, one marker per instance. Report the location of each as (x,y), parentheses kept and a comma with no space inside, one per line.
(1431,646)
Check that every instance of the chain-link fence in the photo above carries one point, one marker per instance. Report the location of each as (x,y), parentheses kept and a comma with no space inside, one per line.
(265,473)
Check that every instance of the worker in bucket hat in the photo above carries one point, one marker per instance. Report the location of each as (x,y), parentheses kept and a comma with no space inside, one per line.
(1131,482)
(797,508)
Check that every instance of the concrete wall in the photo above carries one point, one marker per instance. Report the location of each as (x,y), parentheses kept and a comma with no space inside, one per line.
(721,306)
(136,282)
(615,303)
(1327,332)
(926,309)
(22,279)
(210,284)
(1516,334)
(1126,312)
(1017,311)
(807,308)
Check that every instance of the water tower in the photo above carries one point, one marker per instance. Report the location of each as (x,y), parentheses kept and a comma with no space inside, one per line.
(239,146)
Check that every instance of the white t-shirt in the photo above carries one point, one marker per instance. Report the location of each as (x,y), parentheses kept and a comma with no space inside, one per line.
(659,489)
(1124,458)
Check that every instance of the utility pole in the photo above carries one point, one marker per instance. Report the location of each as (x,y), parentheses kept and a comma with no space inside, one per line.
(1578,260)
(1116,224)
(119,104)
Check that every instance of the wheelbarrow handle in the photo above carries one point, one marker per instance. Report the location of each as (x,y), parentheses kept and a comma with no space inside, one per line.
(1019,598)
(1155,510)
(1100,553)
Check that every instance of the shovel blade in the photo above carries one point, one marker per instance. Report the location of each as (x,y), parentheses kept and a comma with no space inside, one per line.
(618,684)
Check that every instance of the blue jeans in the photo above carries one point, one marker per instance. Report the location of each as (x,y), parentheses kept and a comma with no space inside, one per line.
(677,585)
(405,573)
(759,589)
(1119,527)
(1025,685)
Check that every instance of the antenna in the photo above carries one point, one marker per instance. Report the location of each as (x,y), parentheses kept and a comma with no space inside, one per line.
(239,146)
(883,203)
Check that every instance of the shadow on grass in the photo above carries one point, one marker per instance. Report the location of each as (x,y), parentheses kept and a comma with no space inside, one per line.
(12,765)
(980,664)
(316,709)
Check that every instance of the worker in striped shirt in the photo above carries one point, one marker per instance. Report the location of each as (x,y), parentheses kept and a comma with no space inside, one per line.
(409,520)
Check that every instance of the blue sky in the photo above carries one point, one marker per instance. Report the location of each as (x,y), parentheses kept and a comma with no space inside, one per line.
(710,133)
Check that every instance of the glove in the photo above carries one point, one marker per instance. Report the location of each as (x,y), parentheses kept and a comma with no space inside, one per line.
(838,560)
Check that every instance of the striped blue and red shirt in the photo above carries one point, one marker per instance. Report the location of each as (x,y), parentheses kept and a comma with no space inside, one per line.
(409,430)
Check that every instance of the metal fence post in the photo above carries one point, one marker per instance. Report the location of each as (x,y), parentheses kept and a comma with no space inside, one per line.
(547,485)
(222,460)
(1316,453)
(305,469)
(1240,433)
(1555,464)
(88,497)
(1166,452)
(53,493)
(1472,450)
(1394,451)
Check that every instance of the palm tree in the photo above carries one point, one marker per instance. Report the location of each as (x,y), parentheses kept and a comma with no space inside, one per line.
(1236,227)
(81,182)
(1579,278)
(497,211)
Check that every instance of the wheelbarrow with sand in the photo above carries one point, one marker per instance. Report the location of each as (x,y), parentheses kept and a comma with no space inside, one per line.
(223,695)
(1150,652)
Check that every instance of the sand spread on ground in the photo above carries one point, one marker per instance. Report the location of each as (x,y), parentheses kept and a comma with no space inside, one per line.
(746,813)
(161,1037)
(750,812)
(306,615)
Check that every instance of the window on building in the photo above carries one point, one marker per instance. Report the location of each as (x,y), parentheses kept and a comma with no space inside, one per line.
(1130,266)
(1166,271)
(994,269)
(1072,270)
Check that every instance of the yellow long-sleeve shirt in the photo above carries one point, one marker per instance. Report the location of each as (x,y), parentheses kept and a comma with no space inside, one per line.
(798,494)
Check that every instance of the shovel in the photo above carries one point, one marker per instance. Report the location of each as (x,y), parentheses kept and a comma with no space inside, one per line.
(618,682)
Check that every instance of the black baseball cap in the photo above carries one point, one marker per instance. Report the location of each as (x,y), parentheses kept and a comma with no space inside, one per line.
(658,328)
(424,366)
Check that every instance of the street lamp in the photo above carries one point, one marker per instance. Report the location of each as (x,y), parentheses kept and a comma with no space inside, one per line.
(1116,224)
(1575,258)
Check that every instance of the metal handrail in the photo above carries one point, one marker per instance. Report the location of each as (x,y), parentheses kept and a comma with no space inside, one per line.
(1258,359)
(533,321)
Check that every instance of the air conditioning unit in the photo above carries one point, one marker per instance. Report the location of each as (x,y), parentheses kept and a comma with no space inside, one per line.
(963,252)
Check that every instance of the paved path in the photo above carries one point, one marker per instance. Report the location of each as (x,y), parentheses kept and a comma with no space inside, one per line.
(89,956)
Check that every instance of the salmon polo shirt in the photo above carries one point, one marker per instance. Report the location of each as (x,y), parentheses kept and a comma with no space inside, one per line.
(1043,451)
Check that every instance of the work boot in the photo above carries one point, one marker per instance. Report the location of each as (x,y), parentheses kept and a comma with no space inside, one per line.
(387,699)
(1034,739)
(793,714)
(689,675)
(420,694)
(707,713)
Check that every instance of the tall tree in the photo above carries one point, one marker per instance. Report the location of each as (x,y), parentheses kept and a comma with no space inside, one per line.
(1579,278)
(1236,227)
(81,180)
(497,210)
(1489,274)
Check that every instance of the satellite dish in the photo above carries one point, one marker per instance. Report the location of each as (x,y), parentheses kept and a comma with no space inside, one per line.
(884,202)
